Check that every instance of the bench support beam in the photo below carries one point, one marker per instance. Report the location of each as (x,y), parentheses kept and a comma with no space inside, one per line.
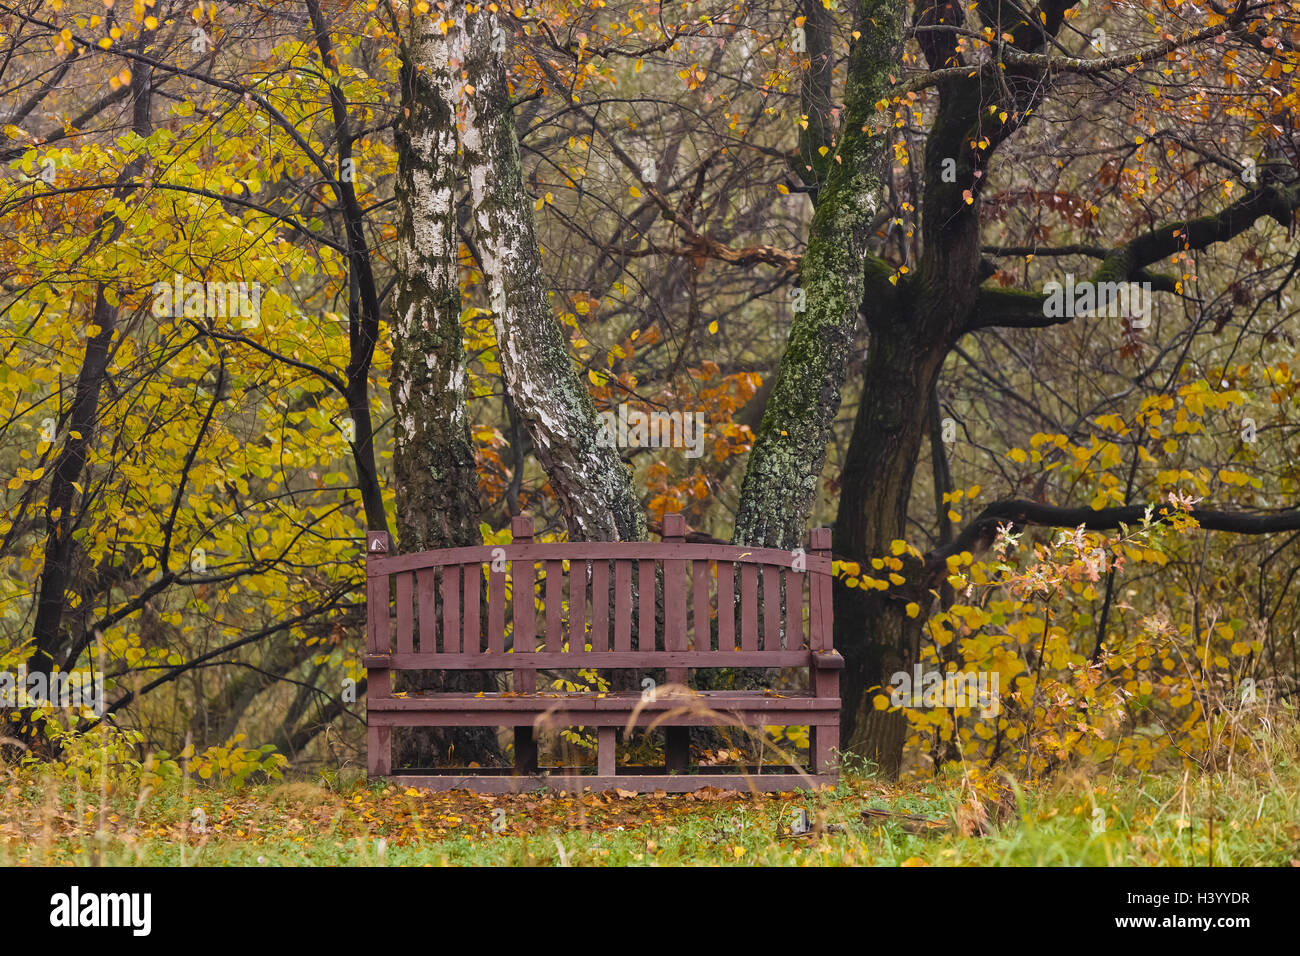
(825,741)
(605,742)
(677,748)
(525,750)
(379,747)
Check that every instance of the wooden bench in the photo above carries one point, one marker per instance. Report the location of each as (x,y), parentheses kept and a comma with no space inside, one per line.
(675,606)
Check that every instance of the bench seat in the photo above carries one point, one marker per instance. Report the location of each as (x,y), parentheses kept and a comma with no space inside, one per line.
(577,707)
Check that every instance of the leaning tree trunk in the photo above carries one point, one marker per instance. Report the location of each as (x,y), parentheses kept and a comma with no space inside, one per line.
(591,481)
(780,484)
(433,453)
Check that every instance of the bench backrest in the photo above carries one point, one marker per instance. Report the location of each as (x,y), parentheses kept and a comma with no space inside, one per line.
(665,604)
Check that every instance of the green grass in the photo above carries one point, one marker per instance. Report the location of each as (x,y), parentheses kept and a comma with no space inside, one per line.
(1145,820)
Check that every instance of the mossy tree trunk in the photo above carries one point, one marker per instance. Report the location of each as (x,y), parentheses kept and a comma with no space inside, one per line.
(780,484)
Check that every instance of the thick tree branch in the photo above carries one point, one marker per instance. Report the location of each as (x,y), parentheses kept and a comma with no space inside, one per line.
(1019,513)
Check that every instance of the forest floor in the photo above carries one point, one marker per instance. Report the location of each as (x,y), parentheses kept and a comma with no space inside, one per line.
(1241,816)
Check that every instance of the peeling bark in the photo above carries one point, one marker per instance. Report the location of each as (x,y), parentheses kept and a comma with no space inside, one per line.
(433,453)
(591,481)
(437,501)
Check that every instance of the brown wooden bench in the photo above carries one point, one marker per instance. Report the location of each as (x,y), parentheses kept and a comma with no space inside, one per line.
(675,606)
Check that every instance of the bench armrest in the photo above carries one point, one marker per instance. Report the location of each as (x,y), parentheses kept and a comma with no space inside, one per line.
(376,660)
(827,660)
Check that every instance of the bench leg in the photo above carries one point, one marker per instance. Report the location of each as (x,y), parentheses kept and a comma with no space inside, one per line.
(825,740)
(379,750)
(605,751)
(525,751)
(677,748)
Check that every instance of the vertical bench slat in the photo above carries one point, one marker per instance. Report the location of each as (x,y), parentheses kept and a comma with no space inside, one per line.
(645,622)
(700,604)
(675,603)
(819,594)
(748,607)
(726,606)
(405,613)
(577,606)
(426,598)
(523,578)
(523,583)
(473,633)
(554,604)
(622,605)
(600,605)
(451,609)
(496,610)
(377,614)
(795,637)
(771,608)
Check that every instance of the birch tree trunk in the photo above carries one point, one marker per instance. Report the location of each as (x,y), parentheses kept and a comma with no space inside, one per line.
(433,453)
(590,479)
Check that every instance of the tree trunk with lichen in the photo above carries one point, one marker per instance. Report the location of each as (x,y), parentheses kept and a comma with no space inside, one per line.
(433,454)
(589,478)
(780,485)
